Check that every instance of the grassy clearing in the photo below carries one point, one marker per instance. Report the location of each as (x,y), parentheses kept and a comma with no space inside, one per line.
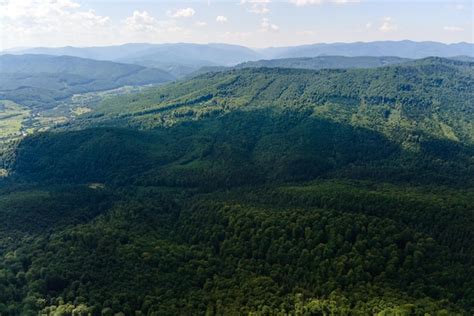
(11,118)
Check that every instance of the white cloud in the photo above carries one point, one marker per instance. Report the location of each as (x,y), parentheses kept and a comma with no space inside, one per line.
(141,21)
(301,3)
(144,22)
(459,6)
(221,19)
(257,6)
(388,25)
(200,23)
(35,21)
(266,26)
(182,13)
(453,29)
(15,9)
(368,25)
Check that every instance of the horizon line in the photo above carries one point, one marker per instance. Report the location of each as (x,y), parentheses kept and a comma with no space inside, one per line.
(233,44)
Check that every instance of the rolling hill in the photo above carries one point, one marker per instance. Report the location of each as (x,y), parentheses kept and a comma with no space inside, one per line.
(182,59)
(325,62)
(178,59)
(251,191)
(423,95)
(40,80)
(314,63)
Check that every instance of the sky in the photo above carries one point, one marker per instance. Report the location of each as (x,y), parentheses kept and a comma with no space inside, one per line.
(252,23)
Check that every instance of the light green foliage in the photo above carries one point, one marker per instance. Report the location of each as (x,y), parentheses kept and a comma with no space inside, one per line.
(431,96)
(11,119)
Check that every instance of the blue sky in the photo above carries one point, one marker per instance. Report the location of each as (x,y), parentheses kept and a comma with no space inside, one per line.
(254,23)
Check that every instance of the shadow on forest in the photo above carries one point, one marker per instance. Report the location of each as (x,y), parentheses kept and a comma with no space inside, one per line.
(239,148)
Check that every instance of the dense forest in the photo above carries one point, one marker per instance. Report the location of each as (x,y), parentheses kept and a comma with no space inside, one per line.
(251,192)
(325,62)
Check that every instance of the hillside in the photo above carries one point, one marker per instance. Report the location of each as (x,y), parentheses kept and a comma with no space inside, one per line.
(325,62)
(259,191)
(313,63)
(416,114)
(426,96)
(40,80)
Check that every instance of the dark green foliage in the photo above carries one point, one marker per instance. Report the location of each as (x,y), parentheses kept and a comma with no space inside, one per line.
(212,253)
(251,192)
(406,102)
(238,148)
(325,62)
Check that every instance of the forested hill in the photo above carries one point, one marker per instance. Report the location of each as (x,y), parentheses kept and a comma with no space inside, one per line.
(429,96)
(325,62)
(263,191)
(40,80)
(411,122)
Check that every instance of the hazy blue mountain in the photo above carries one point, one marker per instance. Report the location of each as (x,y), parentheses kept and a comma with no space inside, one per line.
(101,53)
(182,59)
(405,49)
(179,59)
(38,80)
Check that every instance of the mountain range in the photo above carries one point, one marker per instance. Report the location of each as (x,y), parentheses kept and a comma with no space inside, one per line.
(182,59)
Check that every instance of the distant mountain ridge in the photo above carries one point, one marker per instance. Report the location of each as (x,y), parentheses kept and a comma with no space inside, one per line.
(181,59)
(404,49)
(178,59)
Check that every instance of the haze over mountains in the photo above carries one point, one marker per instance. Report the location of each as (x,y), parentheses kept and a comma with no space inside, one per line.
(184,58)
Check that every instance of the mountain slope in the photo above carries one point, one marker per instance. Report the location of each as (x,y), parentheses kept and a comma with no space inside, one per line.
(182,59)
(325,62)
(426,96)
(26,79)
(411,122)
